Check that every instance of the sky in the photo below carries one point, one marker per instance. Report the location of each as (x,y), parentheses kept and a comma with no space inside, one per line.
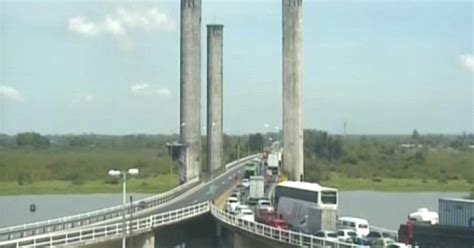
(112,67)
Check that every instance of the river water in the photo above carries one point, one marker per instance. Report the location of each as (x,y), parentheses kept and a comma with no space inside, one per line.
(383,209)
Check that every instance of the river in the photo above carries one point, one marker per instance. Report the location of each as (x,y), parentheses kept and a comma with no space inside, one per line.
(383,209)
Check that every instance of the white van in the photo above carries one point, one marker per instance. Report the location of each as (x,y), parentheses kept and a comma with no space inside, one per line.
(360,226)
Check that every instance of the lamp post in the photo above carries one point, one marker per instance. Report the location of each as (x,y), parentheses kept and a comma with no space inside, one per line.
(277,129)
(170,148)
(123,174)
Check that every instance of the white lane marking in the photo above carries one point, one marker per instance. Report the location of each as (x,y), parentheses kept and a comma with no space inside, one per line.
(223,182)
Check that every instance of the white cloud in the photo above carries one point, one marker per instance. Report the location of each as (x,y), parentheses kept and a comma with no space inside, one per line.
(121,21)
(10,94)
(143,89)
(148,20)
(113,26)
(88,99)
(163,92)
(81,26)
(467,61)
(83,100)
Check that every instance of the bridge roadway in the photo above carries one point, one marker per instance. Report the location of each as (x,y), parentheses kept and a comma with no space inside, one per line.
(197,193)
(170,220)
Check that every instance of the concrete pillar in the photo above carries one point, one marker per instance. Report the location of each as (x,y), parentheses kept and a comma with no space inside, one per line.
(190,72)
(292,89)
(215,145)
(145,240)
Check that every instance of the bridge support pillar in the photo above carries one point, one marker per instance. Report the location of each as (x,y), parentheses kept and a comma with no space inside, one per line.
(215,142)
(218,229)
(146,240)
(292,89)
(190,96)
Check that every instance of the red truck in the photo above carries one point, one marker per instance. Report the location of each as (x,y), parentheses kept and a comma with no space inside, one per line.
(270,218)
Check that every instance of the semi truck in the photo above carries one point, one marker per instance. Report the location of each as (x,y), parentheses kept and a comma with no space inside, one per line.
(256,189)
(273,163)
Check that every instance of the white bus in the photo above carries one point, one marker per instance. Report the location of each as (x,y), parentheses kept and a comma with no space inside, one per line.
(322,197)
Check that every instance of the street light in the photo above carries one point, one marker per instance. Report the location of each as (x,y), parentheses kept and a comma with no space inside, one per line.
(118,173)
(277,129)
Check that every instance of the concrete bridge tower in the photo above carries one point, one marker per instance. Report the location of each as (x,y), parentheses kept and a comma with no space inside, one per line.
(292,11)
(215,140)
(190,95)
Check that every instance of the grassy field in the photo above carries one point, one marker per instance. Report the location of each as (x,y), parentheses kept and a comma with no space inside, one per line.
(395,184)
(145,185)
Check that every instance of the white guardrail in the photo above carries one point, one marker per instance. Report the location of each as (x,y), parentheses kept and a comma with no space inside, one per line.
(277,234)
(74,221)
(88,218)
(103,233)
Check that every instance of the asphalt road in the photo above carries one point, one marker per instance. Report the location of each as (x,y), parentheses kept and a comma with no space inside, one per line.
(204,193)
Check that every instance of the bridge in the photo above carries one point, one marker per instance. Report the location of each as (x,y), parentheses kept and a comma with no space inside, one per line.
(168,219)
(104,228)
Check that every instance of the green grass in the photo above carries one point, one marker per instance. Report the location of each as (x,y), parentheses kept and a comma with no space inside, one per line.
(396,184)
(155,184)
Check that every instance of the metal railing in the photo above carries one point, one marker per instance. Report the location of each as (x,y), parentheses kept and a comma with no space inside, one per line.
(74,221)
(103,233)
(96,216)
(277,234)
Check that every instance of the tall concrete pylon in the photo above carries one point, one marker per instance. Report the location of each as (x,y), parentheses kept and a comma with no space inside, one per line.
(292,11)
(215,140)
(190,95)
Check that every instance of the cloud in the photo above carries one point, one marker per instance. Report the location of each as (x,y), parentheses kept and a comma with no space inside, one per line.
(143,89)
(88,99)
(121,22)
(10,94)
(83,100)
(81,26)
(467,62)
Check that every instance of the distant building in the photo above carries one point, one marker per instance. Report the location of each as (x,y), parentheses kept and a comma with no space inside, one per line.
(410,145)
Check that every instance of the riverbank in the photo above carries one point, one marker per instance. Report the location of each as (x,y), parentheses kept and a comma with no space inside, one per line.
(151,185)
(343,183)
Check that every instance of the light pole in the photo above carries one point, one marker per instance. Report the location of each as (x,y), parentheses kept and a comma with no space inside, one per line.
(170,148)
(211,186)
(277,129)
(123,174)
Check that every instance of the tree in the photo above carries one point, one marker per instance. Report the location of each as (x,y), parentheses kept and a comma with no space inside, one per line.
(256,142)
(415,135)
(32,139)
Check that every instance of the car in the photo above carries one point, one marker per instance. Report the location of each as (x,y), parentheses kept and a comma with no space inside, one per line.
(246,214)
(359,225)
(236,194)
(245,182)
(252,202)
(231,204)
(373,236)
(279,224)
(382,243)
(346,235)
(327,235)
(264,204)
(239,208)
(398,245)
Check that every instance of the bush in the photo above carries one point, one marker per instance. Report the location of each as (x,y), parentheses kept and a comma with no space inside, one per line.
(377,180)
(112,180)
